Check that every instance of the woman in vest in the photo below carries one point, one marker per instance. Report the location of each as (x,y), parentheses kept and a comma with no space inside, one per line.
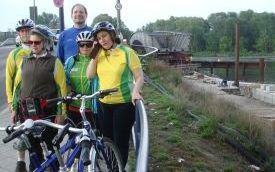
(41,77)
(116,66)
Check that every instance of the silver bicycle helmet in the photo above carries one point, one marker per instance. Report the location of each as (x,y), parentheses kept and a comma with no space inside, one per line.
(24,23)
(85,36)
(46,34)
(43,31)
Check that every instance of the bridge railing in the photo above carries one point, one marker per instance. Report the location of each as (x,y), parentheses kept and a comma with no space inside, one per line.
(140,130)
(145,51)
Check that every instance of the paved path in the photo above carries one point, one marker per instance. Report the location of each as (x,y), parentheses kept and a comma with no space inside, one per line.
(254,111)
(7,153)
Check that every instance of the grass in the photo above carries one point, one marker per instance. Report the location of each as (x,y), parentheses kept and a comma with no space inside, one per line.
(175,135)
(208,127)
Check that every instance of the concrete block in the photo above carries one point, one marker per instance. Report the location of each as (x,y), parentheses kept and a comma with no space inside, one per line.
(263,86)
(270,88)
(261,94)
(256,93)
(268,98)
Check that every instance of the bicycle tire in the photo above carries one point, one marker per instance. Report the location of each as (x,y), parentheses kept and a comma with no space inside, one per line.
(98,163)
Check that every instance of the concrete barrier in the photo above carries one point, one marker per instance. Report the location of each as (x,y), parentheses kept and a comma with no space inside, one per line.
(9,41)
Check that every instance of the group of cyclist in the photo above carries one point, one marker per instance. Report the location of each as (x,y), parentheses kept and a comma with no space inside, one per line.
(87,60)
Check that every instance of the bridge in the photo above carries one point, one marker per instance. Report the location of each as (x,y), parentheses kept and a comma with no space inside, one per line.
(172,46)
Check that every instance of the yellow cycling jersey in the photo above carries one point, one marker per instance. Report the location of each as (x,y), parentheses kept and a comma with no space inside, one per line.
(114,69)
(13,63)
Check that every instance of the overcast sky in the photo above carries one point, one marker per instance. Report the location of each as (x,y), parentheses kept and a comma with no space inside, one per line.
(135,13)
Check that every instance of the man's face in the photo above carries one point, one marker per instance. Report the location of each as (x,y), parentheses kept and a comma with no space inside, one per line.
(24,34)
(78,15)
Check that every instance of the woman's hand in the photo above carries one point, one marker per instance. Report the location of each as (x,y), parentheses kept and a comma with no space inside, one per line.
(136,96)
(95,50)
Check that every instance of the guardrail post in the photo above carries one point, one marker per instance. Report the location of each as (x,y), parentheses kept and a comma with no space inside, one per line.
(261,68)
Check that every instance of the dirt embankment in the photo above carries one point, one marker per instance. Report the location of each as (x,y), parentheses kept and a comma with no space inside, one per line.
(176,144)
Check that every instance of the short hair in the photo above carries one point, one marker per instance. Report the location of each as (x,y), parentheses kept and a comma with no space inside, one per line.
(80,5)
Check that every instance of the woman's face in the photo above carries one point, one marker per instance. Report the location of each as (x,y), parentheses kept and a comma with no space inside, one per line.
(85,48)
(36,44)
(24,34)
(104,39)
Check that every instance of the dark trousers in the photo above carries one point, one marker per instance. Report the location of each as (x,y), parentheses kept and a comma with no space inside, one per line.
(76,119)
(116,123)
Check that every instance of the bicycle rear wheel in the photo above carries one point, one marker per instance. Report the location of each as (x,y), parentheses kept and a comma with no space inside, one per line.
(99,164)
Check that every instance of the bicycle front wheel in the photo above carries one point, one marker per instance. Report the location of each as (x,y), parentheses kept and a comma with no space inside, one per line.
(113,163)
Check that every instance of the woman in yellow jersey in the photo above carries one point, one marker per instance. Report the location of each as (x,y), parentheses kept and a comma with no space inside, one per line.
(13,63)
(116,66)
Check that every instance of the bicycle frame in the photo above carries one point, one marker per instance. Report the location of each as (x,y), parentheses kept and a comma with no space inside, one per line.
(84,134)
(48,162)
(98,146)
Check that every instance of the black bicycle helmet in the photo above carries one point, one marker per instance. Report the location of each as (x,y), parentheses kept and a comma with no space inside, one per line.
(103,26)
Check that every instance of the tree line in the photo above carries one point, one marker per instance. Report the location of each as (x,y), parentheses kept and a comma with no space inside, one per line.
(52,21)
(217,33)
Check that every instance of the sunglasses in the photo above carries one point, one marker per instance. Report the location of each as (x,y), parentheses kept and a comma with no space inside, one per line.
(89,45)
(34,42)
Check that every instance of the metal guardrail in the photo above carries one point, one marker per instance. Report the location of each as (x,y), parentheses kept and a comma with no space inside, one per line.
(154,50)
(140,130)
(9,41)
(141,138)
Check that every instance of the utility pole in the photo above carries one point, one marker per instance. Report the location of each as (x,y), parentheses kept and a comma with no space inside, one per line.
(237,51)
(61,18)
(118,8)
(34,18)
(59,5)
(33,12)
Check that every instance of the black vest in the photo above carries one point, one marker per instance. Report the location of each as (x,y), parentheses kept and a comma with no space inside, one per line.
(38,77)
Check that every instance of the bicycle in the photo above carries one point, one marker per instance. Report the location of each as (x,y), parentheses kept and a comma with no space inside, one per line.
(96,153)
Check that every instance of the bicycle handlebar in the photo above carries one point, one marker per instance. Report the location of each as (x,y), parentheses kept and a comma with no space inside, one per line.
(29,123)
(13,135)
(100,93)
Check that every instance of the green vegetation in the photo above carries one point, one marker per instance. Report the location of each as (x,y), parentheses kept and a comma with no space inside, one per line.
(48,19)
(105,17)
(216,35)
(178,142)
(208,127)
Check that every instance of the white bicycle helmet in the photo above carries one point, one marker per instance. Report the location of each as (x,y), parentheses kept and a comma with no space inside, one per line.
(24,23)
(85,36)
